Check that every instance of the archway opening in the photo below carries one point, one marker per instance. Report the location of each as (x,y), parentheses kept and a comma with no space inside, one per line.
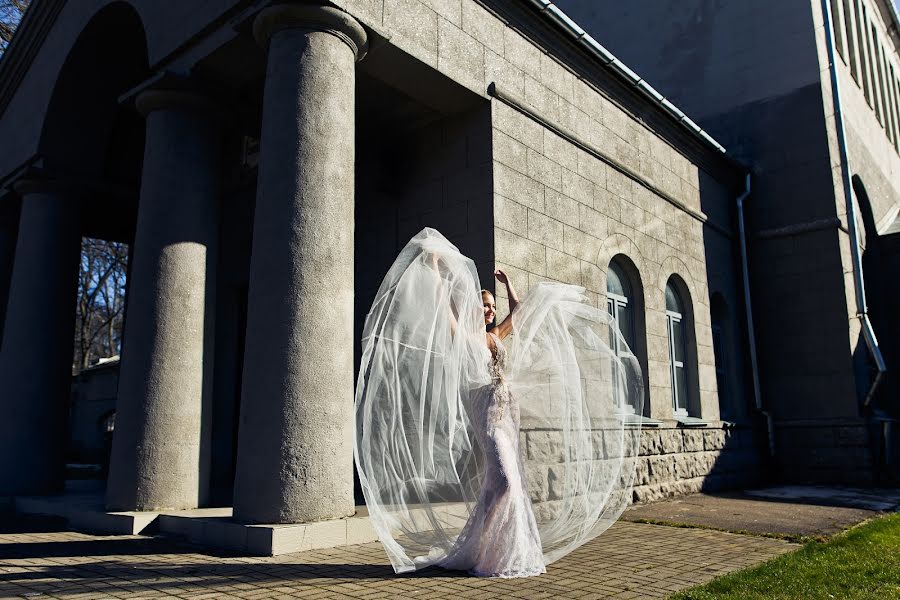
(93,145)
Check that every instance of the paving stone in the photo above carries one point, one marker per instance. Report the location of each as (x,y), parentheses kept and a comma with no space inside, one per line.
(629,557)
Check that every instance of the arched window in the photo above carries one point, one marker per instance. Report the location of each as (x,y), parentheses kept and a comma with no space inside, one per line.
(624,302)
(675,321)
(620,301)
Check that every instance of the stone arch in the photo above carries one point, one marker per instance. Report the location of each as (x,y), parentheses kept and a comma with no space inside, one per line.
(88,135)
(619,244)
(674,265)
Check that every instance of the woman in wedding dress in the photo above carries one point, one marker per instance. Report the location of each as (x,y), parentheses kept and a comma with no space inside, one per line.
(501,537)
(491,452)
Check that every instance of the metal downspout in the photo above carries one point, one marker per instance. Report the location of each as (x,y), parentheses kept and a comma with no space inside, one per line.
(862,308)
(748,307)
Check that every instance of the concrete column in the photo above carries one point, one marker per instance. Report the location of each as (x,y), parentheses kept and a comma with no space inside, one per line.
(38,339)
(295,440)
(160,445)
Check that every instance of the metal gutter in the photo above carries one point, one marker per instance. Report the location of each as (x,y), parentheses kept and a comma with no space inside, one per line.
(554,14)
(862,308)
(748,309)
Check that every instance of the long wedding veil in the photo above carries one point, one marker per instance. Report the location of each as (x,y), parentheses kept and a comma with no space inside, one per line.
(424,355)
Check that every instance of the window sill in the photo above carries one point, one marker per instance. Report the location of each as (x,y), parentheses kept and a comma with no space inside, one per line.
(692,422)
(638,421)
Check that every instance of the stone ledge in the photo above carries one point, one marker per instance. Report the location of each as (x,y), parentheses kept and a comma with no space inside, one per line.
(86,512)
(214,527)
(203,526)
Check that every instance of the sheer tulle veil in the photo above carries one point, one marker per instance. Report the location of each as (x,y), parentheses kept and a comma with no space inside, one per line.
(423,355)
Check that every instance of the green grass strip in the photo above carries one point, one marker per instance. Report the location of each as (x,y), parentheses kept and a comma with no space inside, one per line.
(860,563)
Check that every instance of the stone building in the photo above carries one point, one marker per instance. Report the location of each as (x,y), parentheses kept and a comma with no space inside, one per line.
(92,413)
(757,76)
(266,162)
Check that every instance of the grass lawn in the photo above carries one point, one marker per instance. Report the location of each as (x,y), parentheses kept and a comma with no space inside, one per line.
(863,562)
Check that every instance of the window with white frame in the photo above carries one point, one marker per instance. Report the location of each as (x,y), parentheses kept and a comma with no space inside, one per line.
(620,303)
(675,316)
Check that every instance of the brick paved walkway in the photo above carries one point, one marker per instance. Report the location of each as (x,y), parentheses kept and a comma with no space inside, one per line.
(631,560)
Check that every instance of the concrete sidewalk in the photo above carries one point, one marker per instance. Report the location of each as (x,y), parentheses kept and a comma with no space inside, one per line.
(40,559)
(795,512)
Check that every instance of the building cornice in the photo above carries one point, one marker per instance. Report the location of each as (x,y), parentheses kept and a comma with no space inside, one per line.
(42,14)
(545,33)
(556,15)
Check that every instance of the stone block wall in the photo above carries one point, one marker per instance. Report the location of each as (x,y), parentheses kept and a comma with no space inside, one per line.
(438,176)
(562,213)
(874,153)
(677,461)
(672,461)
(828,450)
(577,181)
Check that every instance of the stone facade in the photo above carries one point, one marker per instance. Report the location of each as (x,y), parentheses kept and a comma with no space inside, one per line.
(252,271)
(673,461)
(758,76)
(683,461)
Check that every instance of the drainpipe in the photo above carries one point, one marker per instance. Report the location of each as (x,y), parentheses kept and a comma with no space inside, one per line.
(862,309)
(748,307)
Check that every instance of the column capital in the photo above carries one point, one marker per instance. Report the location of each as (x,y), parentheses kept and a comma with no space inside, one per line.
(316,17)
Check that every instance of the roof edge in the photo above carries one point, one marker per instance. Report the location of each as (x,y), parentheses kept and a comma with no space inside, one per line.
(554,14)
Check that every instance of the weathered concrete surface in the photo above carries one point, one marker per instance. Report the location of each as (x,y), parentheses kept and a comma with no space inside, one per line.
(159,447)
(36,355)
(295,445)
(787,514)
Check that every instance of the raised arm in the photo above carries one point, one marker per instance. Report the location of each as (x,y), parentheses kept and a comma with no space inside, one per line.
(504,328)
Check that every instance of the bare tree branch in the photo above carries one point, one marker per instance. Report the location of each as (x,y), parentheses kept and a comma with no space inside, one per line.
(11,12)
(101,301)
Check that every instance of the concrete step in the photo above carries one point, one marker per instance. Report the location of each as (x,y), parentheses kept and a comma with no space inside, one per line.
(215,527)
(86,512)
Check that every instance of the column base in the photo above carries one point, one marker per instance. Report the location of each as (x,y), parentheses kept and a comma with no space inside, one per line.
(209,527)
(83,509)
(214,527)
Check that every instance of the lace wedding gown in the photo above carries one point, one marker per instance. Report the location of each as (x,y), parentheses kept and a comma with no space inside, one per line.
(440,419)
(501,537)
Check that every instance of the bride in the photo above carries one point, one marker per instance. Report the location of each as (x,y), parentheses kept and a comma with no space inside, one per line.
(480,457)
